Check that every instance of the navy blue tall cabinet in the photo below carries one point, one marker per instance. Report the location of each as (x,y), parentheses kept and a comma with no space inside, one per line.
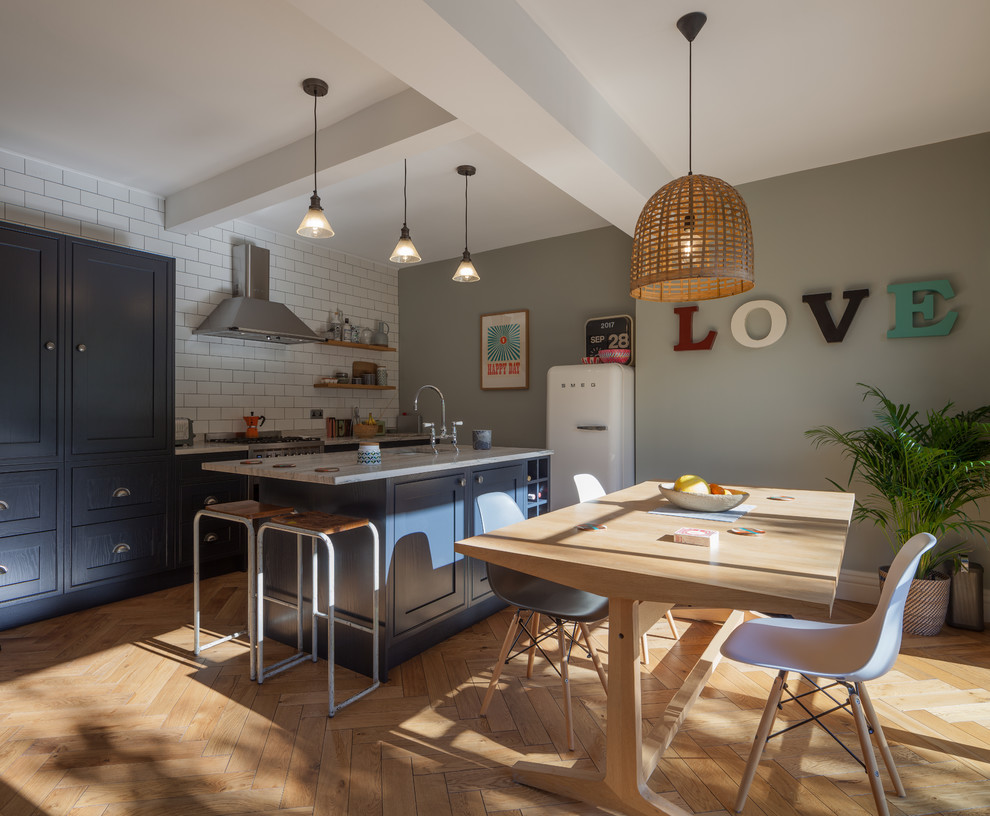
(86,417)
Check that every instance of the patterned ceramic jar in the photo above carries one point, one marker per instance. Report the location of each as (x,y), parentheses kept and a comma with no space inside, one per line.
(369,454)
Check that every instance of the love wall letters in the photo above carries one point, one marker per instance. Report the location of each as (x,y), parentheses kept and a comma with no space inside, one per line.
(907,307)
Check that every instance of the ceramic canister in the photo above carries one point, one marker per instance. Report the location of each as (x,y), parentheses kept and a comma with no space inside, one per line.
(369,454)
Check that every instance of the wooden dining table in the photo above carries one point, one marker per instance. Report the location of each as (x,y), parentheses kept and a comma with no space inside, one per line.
(790,566)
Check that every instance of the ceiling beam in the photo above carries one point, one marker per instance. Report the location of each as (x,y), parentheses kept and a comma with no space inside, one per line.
(404,124)
(490,65)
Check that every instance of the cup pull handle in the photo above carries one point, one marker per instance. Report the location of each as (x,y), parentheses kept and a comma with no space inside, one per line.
(121,493)
(211,538)
(3,570)
(4,505)
(121,548)
(210,500)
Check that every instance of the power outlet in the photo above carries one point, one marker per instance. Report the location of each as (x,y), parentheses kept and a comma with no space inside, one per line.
(316,413)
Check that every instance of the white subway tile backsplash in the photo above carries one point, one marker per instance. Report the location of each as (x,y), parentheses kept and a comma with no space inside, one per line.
(111,190)
(78,180)
(41,170)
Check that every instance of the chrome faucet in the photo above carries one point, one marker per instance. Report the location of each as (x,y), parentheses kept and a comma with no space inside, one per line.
(443,420)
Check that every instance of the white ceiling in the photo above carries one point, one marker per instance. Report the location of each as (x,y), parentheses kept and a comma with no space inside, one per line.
(573,111)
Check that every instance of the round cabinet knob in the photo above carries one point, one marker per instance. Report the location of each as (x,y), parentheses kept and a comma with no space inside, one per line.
(49,346)
(461,482)
(81,347)
(479,479)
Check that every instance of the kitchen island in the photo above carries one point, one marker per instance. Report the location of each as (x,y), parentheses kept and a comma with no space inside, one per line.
(421,504)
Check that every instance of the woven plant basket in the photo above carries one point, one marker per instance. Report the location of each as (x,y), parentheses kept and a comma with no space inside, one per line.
(927,603)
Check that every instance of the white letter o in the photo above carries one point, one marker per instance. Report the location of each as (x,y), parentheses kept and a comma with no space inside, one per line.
(778,323)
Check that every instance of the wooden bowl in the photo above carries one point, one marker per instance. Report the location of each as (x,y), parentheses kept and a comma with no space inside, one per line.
(703,502)
(362,430)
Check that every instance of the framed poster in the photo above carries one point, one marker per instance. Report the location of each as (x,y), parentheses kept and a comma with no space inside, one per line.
(505,350)
(613,332)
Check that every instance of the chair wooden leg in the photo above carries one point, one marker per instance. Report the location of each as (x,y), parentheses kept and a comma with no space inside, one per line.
(500,662)
(534,634)
(760,741)
(586,633)
(673,626)
(565,683)
(866,746)
(878,735)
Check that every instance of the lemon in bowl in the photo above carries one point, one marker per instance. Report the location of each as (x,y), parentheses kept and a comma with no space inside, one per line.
(691,484)
(691,492)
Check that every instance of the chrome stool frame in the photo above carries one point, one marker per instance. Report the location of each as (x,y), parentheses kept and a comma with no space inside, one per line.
(245,512)
(318,527)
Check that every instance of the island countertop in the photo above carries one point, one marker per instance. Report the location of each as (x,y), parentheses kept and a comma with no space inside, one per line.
(395,462)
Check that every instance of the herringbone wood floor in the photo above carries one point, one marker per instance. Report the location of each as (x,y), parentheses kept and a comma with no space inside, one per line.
(105,713)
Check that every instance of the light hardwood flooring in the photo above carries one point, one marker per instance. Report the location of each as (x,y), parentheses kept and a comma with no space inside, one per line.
(106,713)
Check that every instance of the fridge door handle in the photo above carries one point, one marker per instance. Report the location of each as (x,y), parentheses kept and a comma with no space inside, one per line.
(592,427)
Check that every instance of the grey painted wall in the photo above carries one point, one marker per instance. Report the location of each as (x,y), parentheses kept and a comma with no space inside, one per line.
(562,281)
(736,414)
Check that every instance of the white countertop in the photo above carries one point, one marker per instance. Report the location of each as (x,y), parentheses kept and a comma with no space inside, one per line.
(201,447)
(395,462)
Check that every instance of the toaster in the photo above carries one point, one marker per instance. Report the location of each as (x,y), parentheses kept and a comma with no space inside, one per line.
(183,431)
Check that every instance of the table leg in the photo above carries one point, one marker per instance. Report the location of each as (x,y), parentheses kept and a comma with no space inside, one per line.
(623,785)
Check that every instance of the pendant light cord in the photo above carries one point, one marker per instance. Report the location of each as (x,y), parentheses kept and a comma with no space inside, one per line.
(405,180)
(690,108)
(465,214)
(314,143)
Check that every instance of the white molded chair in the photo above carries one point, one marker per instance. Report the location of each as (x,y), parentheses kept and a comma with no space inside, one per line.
(849,654)
(538,596)
(589,489)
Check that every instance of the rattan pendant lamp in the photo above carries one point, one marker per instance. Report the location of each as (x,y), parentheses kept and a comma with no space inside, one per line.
(693,239)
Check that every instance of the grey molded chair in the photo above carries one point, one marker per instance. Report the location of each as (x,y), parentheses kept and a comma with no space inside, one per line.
(848,654)
(532,598)
(589,489)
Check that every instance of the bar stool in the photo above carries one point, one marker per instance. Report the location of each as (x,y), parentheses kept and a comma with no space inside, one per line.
(248,513)
(317,527)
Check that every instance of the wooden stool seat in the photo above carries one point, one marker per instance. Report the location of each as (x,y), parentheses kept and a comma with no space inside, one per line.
(317,527)
(327,523)
(248,509)
(248,513)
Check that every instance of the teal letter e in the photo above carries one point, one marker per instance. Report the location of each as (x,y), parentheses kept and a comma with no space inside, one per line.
(905,308)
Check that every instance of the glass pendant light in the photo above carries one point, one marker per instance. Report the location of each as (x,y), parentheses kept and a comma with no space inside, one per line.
(693,239)
(466,273)
(404,251)
(314,223)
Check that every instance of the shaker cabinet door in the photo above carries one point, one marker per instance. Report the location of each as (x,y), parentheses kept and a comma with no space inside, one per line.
(28,344)
(426,576)
(119,359)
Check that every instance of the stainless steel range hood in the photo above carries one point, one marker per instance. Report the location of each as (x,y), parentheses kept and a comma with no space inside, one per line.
(249,314)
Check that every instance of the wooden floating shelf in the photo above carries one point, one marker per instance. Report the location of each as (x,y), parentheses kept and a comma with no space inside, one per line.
(356,345)
(355,385)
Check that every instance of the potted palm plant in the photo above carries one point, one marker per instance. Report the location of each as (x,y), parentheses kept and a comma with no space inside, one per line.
(923,474)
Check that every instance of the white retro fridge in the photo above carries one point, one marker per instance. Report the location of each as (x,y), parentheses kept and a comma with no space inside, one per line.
(590,427)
